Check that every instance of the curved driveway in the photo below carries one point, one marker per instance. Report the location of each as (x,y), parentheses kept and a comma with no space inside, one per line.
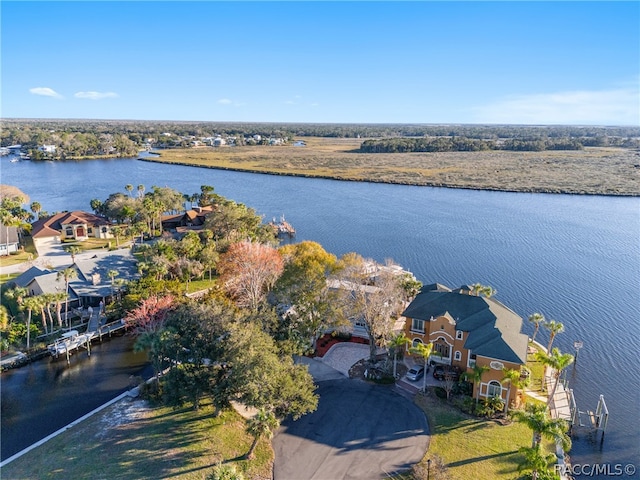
(359,431)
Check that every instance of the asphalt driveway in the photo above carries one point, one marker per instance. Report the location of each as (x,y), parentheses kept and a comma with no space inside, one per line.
(359,431)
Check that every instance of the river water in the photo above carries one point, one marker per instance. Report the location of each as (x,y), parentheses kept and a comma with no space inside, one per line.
(576,259)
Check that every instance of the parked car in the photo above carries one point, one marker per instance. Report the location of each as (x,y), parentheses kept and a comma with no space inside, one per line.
(440,372)
(415,373)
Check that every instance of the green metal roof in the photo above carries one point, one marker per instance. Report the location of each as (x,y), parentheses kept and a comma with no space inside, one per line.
(494,329)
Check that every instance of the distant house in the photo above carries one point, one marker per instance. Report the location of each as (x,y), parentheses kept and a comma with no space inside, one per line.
(9,240)
(47,148)
(466,329)
(191,219)
(76,225)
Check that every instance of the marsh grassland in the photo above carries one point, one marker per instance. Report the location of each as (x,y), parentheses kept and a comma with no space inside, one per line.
(595,171)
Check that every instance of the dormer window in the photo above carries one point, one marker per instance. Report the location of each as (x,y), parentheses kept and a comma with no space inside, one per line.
(459,334)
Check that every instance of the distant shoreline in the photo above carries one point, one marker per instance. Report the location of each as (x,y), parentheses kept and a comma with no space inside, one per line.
(391,181)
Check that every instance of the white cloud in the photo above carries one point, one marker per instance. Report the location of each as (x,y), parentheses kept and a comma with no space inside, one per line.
(619,106)
(45,92)
(225,101)
(95,95)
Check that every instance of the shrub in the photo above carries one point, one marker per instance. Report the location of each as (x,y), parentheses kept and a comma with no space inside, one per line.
(225,472)
(440,392)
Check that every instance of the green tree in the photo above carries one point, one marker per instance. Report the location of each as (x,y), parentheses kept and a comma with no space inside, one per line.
(304,289)
(535,417)
(423,350)
(397,343)
(554,328)
(36,208)
(67,274)
(512,378)
(19,295)
(475,375)
(538,462)
(129,188)
(557,361)
(73,250)
(536,319)
(262,425)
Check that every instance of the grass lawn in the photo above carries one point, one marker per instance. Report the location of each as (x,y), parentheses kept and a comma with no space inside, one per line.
(130,441)
(471,447)
(27,254)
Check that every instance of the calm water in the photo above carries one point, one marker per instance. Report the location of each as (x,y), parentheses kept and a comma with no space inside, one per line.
(576,259)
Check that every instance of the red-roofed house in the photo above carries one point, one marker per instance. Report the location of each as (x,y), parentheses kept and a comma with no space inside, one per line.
(75,225)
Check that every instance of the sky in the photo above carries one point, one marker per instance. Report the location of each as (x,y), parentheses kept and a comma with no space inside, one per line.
(323,62)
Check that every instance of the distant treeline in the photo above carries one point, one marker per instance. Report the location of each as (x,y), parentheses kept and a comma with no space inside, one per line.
(464,144)
(124,137)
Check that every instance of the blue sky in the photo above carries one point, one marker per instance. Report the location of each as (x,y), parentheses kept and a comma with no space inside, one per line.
(335,62)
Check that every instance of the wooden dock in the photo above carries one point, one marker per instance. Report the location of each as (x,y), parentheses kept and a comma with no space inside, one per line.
(283,228)
(73,340)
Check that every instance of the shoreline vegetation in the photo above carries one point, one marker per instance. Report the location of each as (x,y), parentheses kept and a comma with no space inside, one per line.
(607,171)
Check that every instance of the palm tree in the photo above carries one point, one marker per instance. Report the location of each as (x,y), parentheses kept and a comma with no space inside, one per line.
(261,425)
(425,352)
(536,460)
(140,191)
(511,377)
(488,291)
(112,274)
(475,375)
(537,319)
(476,288)
(554,329)
(73,250)
(36,208)
(396,343)
(129,188)
(558,361)
(19,294)
(58,298)
(534,416)
(68,273)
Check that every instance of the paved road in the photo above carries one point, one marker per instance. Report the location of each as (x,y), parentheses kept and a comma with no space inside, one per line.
(359,431)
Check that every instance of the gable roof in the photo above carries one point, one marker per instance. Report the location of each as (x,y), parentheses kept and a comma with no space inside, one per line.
(52,226)
(25,278)
(494,329)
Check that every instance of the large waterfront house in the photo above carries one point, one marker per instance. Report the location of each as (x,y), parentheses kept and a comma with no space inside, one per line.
(467,329)
(96,279)
(76,225)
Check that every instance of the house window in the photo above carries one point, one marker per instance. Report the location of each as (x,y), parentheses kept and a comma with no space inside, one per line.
(417,325)
(457,356)
(69,232)
(104,229)
(89,230)
(416,342)
(442,349)
(458,334)
(472,360)
(494,389)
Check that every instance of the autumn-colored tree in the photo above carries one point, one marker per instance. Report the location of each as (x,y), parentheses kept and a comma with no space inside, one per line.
(372,294)
(150,315)
(248,271)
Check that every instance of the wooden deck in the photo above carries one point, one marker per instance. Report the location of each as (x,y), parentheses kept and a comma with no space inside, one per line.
(561,403)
